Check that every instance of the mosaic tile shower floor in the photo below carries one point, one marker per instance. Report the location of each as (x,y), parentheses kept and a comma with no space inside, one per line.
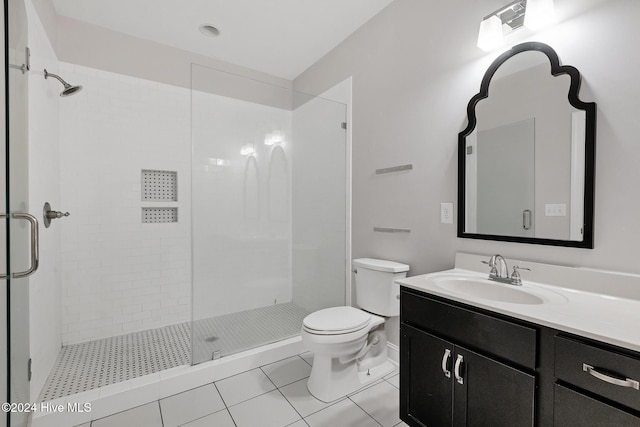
(86,366)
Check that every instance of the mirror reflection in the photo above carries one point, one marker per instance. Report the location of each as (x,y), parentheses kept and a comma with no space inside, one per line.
(524,160)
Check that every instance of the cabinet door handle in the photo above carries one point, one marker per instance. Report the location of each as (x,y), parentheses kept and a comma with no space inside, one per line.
(456,369)
(445,363)
(628,382)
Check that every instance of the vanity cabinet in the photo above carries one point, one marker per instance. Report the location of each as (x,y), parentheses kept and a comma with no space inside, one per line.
(443,382)
(607,380)
(448,385)
(465,366)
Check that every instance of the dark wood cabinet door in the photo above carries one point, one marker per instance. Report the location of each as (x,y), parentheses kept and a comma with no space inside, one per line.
(492,393)
(425,390)
(573,409)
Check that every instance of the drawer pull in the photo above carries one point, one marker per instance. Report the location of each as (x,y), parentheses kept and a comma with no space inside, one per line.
(456,369)
(611,380)
(445,363)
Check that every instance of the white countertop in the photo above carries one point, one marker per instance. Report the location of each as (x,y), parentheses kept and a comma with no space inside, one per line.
(609,318)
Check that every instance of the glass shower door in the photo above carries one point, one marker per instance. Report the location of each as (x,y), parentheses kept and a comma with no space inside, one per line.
(268,211)
(19,228)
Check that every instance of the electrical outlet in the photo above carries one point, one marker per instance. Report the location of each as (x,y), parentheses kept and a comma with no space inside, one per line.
(557,209)
(446,213)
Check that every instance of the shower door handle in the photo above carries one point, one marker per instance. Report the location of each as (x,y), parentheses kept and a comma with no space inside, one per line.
(35,246)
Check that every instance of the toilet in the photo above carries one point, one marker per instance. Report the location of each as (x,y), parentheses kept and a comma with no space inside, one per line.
(349,345)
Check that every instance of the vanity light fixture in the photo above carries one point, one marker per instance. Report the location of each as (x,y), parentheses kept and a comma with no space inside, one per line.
(531,13)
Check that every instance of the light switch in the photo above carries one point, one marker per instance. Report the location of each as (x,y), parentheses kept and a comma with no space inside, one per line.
(446,213)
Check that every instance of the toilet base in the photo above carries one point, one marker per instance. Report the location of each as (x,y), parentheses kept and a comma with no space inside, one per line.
(343,379)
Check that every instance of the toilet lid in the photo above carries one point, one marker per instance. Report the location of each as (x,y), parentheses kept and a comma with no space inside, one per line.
(336,320)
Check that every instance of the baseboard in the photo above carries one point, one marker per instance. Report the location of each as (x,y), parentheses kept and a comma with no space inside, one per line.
(393,351)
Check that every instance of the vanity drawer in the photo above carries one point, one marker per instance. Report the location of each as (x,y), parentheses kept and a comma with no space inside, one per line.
(496,336)
(573,409)
(596,370)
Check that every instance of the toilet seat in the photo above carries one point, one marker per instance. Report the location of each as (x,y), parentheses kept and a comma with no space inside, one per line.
(336,321)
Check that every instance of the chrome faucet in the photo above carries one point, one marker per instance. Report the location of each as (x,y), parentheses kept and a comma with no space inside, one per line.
(500,272)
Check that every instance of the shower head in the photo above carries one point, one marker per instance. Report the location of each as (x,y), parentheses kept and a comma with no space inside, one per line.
(68,89)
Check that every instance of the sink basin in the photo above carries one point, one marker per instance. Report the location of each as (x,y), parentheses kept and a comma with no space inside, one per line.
(498,292)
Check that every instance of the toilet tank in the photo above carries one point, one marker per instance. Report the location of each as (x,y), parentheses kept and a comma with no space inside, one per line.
(376,291)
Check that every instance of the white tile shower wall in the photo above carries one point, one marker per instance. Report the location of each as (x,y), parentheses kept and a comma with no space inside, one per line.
(45,329)
(119,275)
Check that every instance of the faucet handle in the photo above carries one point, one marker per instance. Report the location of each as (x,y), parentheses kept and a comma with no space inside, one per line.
(492,263)
(515,276)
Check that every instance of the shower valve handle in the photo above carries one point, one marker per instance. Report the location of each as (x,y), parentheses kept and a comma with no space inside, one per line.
(49,214)
(56,214)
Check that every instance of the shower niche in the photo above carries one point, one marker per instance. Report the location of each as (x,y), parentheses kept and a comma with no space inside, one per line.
(159,186)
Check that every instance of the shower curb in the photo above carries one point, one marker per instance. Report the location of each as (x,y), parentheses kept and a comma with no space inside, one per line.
(104,401)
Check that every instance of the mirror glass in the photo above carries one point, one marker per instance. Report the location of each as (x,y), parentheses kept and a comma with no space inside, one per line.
(524,165)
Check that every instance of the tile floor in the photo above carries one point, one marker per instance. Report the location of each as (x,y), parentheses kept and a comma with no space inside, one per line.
(273,395)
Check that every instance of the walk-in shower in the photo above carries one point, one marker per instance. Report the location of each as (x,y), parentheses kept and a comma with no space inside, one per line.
(209,215)
(210,220)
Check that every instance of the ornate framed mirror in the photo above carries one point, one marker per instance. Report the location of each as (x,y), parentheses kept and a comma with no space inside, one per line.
(526,160)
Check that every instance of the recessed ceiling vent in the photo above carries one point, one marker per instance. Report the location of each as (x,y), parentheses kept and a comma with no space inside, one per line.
(209,30)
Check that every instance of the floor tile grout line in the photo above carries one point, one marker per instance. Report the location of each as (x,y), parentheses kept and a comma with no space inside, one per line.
(204,416)
(128,409)
(363,410)
(366,387)
(267,375)
(301,419)
(184,391)
(233,420)
(252,397)
(329,405)
(221,397)
(305,361)
(392,384)
(160,410)
(292,407)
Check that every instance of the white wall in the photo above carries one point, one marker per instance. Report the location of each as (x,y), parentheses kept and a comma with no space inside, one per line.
(119,275)
(413,75)
(44,185)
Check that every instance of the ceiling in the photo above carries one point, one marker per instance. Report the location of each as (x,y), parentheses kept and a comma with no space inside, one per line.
(278,37)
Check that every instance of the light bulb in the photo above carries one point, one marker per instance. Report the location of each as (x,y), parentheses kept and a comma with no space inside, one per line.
(539,13)
(490,35)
